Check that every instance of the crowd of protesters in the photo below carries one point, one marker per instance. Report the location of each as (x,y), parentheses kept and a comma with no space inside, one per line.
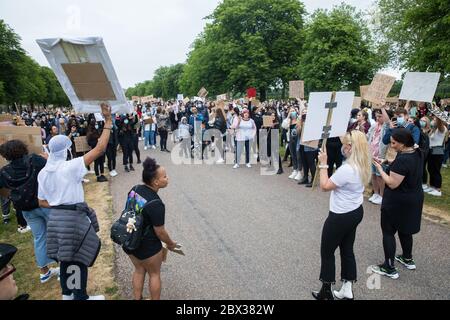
(391,146)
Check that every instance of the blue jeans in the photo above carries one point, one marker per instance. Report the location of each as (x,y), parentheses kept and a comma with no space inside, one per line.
(37,220)
(147,138)
(153,138)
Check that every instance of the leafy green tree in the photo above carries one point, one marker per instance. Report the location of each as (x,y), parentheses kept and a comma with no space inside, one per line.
(246,43)
(417,33)
(338,52)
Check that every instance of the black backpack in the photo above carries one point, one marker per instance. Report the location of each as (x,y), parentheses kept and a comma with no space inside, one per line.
(119,234)
(24,190)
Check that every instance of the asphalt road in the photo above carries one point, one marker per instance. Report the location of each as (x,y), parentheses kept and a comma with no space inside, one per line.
(248,236)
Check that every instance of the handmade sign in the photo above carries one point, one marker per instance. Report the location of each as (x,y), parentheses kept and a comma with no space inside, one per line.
(420,86)
(186,100)
(86,73)
(180,97)
(136,99)
(379,89)
(267,121)
(316,125)
(99,117)
(251,93)
(221,97)
(31,136)
(148,121)
(6,117)
(393,100)
(202,93)
(363,90)
(147,99)
(297,89)
(445,102)
(357,102)
(81,145)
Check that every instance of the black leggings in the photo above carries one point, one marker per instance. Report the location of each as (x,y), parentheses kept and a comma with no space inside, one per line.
(425,172)
(136,147)
(389,244)
(339,230)
(309,162)
(434,169)
(163,134)
(99,165)
(111,153)
(73,279)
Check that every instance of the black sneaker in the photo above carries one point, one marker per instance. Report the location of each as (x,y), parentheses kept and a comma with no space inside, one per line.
(131,167)
(385,271)
(280,171)
(102,178)
(408,263)
(309,185)
(127,169)
(139,161)
(303,181)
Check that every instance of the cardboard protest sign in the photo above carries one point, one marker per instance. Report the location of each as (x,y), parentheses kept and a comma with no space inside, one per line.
(379,88)
(420,86)
(148,121)
(221,104)
(136,98)
(445,102)
(180,97)
(393,100)
(147,99)
(297,89)
(186,100)
(315,127)
(363,90)
(86,73)
(81,145)
(31,136)
(267,121)
(251,93)
(6,117)
(99,117)
(357,102)
(202,93)
(222,97)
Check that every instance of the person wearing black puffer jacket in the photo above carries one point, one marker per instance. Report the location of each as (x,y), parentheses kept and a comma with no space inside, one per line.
(93,134)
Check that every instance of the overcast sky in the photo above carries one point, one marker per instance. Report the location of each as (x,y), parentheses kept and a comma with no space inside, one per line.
(140,35)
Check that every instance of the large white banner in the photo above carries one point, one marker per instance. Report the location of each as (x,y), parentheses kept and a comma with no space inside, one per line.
(420,86)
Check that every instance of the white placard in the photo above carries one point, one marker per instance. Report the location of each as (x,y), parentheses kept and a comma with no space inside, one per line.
(420,86)
(79,51)
(99,117)
(180,97)
(316,118)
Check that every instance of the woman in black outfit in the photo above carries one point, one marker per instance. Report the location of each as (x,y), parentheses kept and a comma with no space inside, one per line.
(94,131)
(401,210)
(148,257)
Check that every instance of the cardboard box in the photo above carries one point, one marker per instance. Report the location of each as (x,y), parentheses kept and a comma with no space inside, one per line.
(379,89)
(31,136)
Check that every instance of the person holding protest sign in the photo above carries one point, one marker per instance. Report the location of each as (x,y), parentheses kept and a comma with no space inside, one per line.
(148,257)
(346,213)
(61,190)
(401,210)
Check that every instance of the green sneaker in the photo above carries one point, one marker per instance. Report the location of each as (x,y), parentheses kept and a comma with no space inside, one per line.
(408,263)
(388,272)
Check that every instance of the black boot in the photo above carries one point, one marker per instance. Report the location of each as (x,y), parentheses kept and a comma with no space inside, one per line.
(131,167)
(303,181)
(127,169)
(325,293)
(280,171)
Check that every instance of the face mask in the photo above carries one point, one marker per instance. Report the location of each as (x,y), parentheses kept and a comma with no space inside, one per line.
(352,121)
(96,127)
(125,121)
(400,121)
(433,124)
(423,124)
(293,115)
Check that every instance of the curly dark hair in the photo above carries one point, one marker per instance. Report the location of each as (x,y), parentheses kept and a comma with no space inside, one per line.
(13,150)
(150,170)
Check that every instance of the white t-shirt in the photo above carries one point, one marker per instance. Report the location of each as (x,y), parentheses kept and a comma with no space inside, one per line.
(64,186)
(348,195)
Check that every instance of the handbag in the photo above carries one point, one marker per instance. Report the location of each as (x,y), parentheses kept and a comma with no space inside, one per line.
(437,151)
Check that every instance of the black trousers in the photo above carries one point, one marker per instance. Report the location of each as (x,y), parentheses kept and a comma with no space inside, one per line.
(163,134)
(309,162)
(111,153)
(135,139)
(339,230)
(389,244)
(73,280)
(425,172)
(99,165)
(127,150)
(334,156)
(434,169)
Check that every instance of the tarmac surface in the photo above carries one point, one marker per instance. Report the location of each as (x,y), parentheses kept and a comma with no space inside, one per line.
(250,236)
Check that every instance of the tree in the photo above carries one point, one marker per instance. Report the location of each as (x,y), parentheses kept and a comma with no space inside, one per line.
(246,43)
(338,52)
(417,33)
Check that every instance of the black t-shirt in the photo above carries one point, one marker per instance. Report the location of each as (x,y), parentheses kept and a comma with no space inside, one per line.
(410,166)
(152,208)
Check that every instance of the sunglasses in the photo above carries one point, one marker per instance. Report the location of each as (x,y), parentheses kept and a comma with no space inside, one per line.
(10,269)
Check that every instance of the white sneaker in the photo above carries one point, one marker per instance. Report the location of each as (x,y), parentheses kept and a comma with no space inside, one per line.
(24,230)
(435,193)
(145,148)
(153,147)
(220,161)
(293,174)
(373,197)
(51,273)
(113,173)
(248,165)
(345,293)
(140,139)
(91,172)
(299,176)
(377,200)
(101,297)
(425,188)
(445,166)
(67,298)
(236,166)
(86,180)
